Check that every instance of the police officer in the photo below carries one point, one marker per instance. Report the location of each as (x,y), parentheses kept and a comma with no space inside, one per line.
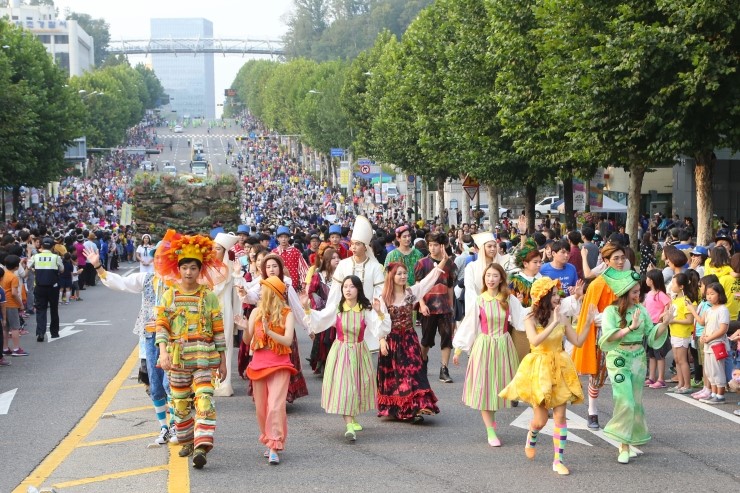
(47,266)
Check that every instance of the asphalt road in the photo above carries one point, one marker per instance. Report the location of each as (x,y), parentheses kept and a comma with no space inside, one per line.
(692,448)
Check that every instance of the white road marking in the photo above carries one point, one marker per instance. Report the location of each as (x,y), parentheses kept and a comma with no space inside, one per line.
(712,409)
(6,398)
(64,332)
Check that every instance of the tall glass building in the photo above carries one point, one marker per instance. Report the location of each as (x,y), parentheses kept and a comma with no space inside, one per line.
(188,79)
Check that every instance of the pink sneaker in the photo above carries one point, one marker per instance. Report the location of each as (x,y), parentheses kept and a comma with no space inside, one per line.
(660,384)
(702,394)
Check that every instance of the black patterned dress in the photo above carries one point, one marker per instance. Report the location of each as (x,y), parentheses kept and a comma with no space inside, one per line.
(403,385)
(318,292)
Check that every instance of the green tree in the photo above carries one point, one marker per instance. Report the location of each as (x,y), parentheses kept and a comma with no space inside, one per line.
(305,27)
(154,89)
(40,116)
(98,29)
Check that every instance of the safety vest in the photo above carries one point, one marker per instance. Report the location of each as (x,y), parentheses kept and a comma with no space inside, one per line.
(47,270)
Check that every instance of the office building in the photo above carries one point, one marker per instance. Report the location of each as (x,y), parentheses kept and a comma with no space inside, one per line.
(69,45)
(188,79)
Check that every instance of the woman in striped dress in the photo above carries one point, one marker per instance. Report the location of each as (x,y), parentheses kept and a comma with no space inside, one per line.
(493,360)
(349,384)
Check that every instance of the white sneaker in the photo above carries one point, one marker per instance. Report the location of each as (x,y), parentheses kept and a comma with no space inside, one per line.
(164,436)
(173,435)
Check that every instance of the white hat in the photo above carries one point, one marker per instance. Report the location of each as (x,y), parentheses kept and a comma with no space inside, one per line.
(481,239)
(362,231)
(226,240)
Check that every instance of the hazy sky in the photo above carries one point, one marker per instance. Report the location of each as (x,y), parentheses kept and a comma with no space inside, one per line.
(253,19)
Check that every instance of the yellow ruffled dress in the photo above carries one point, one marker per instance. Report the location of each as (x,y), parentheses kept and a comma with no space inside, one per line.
(546,376)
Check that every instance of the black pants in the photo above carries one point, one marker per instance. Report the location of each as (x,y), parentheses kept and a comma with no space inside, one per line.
(46,296)
(90,274)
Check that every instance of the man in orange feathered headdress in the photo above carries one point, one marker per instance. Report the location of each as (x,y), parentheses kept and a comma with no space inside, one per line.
(190,336)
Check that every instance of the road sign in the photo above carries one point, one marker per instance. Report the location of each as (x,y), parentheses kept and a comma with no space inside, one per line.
(471,186)
(337,152)
(365,161)
(411,178)
(365,169)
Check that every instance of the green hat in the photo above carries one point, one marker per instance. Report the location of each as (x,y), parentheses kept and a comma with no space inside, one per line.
(620,281)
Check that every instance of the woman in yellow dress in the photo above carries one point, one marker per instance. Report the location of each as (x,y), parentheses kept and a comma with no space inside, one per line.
(546,377)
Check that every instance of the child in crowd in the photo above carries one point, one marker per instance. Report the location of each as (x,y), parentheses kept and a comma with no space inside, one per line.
(702,309)
(65,279)
(686,293)
(349,384)
(716,322)
(656,300)
(76,271)
(484,332)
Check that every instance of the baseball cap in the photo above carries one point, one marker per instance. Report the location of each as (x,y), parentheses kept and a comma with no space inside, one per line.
(700,250)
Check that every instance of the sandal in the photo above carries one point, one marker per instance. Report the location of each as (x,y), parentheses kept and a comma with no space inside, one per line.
(660,384)
(649,382)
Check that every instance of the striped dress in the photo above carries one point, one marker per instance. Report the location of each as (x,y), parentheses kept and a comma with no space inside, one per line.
(493,359)
(349,384)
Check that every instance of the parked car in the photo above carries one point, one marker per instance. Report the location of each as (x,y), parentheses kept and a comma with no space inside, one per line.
(147,166)
(169,169)
(502,212)
(543,206)
(178,129)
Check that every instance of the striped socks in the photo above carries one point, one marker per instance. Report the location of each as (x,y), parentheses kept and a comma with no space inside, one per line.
(529,450)
(171,409)
(160,407)
(559,438)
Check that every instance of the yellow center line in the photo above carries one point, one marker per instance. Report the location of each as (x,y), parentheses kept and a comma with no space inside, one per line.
(130,410)
(117,440)
(178,480)
(107,477)
(83,428)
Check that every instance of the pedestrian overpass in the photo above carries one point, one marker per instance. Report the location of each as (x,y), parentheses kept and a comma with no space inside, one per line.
(194,46)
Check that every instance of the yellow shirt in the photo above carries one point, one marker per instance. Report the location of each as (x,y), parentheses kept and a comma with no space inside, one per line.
(682,313)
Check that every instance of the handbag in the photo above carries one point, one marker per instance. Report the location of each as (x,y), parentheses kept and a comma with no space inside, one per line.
(720,351)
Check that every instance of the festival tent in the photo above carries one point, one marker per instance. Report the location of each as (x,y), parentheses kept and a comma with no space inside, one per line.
(608,205)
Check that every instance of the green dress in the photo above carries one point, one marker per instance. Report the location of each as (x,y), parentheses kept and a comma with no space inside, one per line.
(408,260)
(627,366)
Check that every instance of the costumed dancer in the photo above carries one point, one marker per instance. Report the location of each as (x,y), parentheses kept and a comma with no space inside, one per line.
(151,288)
(403,386)
(230,304)
(625,324)
(406,252)
(293,260)
(190,337)
(269,335)
(348,387)
(362,264)
(589,359)
(272,265)
(546,377)
(318,292)
(529,261)
(484,334)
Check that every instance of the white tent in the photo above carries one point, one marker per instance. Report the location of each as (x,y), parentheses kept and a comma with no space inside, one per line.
(608,205)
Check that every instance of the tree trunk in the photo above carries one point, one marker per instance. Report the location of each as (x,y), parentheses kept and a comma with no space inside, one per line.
(424,211)
(16,201)
(492,206)
(465,205)
(637,173)
(440,198)
(530,192)
(570,216)
(703,175)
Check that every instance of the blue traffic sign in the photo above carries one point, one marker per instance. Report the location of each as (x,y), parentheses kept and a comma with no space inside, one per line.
(252,135)
(363,161)
(410,178)
(337,152)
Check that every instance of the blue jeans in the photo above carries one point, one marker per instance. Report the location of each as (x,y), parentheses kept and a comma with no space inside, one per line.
(159,385)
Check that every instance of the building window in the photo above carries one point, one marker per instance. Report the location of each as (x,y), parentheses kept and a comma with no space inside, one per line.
(62,61)
(44,38)
(61,39)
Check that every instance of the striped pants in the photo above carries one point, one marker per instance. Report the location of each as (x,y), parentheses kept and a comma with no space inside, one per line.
(184,383)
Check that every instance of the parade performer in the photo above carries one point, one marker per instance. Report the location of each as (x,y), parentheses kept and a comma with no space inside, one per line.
(270,334)
(229,302)
(190,337)
(529,261)
(348,387)
(318,292)
(484,334)
(151,287)
(626,323)
(403,386)
(292,258)
(272,265)
(406,252)
(546,377)
(589,359)
(335,241)
(362,264)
